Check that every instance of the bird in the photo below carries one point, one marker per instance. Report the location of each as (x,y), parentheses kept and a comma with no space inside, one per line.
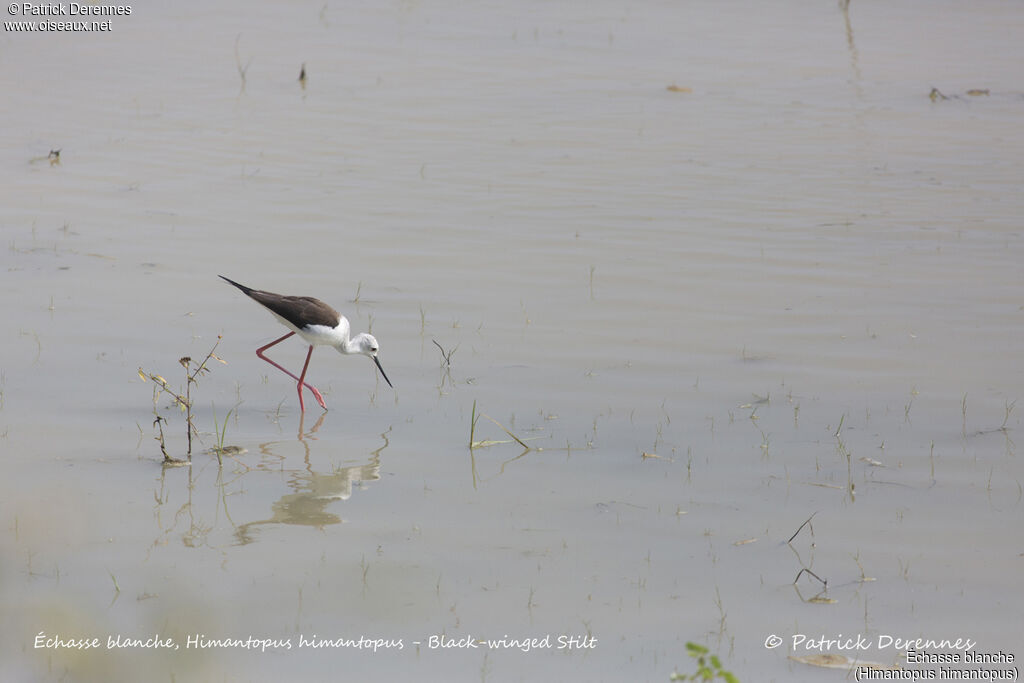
(318,324)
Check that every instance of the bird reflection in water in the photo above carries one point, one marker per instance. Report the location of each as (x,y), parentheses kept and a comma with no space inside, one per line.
(313,492)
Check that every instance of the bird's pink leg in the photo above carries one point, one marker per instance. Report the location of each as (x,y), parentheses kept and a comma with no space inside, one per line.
(300,380)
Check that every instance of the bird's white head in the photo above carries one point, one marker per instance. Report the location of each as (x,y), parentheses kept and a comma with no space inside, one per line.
(366,344)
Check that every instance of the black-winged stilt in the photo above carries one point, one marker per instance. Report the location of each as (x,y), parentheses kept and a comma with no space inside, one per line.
(318,324)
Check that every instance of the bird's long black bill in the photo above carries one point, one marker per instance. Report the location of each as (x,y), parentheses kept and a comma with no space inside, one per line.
(384,374)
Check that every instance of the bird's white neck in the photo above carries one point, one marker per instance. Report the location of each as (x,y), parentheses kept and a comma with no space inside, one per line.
(348,346)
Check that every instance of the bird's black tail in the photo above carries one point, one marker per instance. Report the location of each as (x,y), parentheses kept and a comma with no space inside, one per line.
(245,290)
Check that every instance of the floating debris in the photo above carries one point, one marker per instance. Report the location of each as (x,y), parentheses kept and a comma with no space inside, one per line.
(489,442)
(678,88)
(53,157)
(830,661)
(822,600)
(226,450)
(174,462)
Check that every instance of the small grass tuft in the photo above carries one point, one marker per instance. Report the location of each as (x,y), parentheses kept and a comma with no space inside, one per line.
(709,666)
(183,402)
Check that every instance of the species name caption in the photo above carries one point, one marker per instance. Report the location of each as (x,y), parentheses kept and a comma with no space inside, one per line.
(200,641)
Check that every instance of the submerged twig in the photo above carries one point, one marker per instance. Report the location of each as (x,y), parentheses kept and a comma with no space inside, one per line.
(805,569)
(839,428)
(806,522)
(472,425)
(238,63)
(160,437)
(520,441)
(447,355)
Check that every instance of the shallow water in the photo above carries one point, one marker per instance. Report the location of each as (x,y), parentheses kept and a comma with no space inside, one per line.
(795,283)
